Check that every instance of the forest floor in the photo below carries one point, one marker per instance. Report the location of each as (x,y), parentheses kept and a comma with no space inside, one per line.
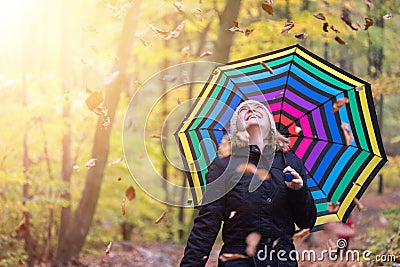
(153,254)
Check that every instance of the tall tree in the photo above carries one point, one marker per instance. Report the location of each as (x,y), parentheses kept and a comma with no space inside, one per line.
(79,224)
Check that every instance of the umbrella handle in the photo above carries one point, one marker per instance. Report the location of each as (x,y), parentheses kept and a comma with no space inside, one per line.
(288,175)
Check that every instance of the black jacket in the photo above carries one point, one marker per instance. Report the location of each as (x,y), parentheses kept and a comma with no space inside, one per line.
(272,210)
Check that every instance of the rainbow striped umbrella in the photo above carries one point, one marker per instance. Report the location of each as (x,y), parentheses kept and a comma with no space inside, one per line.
(327,113)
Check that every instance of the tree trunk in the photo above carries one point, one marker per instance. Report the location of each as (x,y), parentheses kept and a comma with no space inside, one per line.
(79,225)
(224,41)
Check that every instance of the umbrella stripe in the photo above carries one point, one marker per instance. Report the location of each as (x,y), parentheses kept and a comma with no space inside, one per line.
(275,64)
(354,190)
(327,218)
(297,84)
(356,120)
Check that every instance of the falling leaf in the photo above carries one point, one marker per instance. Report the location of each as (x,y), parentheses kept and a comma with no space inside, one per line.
(169,78)
(387,16)
(340,103)
(157,30)
(382,220)
(94,48)
(334,29)
(179,7)
(325,27)
(348,23)
(268,8)
(252,241)
(138,84)
(178,100)
(175,33)
(358,204)
(206,54)
(110,78)
(357,184)
(287,26)
(246,168)
(20,262)
(301,234)
(76,168)
(199,9)
(347,133)
(230,257)
(236,28)
(339,228)
(94,99)
(247,32)
(339,40)
(368,3)
(123,210)
(156,136)
(144,42)
(108,249)
(268,68)
(276,242)
(130,193)
(368,23)
(119,179)
(320,16)
(22,227)
(301,36)
(162,217)
(118,160)
(333,207)
(91,163)
(232,214)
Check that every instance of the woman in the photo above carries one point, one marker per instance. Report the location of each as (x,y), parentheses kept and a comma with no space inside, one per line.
(270,207)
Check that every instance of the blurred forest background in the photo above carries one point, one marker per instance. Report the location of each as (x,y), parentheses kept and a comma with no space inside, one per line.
(64,187)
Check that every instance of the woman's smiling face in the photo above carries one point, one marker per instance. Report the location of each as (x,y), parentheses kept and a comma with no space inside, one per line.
(251,115)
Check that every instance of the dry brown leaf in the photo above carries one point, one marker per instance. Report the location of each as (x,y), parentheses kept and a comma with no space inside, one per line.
(247,32)
(252,241)
(301,36)
(119,179)
(358,204)
(138,84)
(348,23)
(156,136)
(232,214)
(108,249)
(230,257)
(340,229)
(302,233)
(325,27)
(123,207)
(348,135)
(91,163)
(94,99)
(178,100)
(22,227)
(162,217)
(144,42)
(175,33)
(357,184)
(130,193)
(268,68)
(157,30)
(267,7)
(115,162)
(236,28)
(287,26)
(334,29)
(20,262)
(387,16)
(320,16)
(340,103)
(368,23)
(246,168)
(206,53)
(333,207)
(340,40)
(180,7)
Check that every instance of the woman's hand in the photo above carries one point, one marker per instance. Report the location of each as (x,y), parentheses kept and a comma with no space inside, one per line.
(297,182)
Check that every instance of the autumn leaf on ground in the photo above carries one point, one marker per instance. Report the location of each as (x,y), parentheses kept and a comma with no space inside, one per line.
(252,241)
(108,249)
(22,227)
(387,16)
(236,28)
(94,99)
(157,30)
(287,26)
(267,7)
(368,23)
(118,160)
(179,7)
(383,221)
(301,234)
(20,262)
(339,228)
(185,53)
(348,23)
(340,103)
(175,33)
(301,36)
(320,16)
(91,163)
(130,193)
(348,135)
(206,53)
(230,257)
(247,32)
(333,207)
(268,68)
(325,27)
(358,204)
(123,207)
(162,217)
(232,214)
(340,40)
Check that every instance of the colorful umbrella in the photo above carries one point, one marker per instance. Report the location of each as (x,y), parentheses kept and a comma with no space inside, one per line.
(327,113)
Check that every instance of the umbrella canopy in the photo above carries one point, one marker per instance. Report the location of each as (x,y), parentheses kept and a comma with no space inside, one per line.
(327,113)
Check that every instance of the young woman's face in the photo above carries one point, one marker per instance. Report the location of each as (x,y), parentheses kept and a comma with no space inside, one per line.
(251,115)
